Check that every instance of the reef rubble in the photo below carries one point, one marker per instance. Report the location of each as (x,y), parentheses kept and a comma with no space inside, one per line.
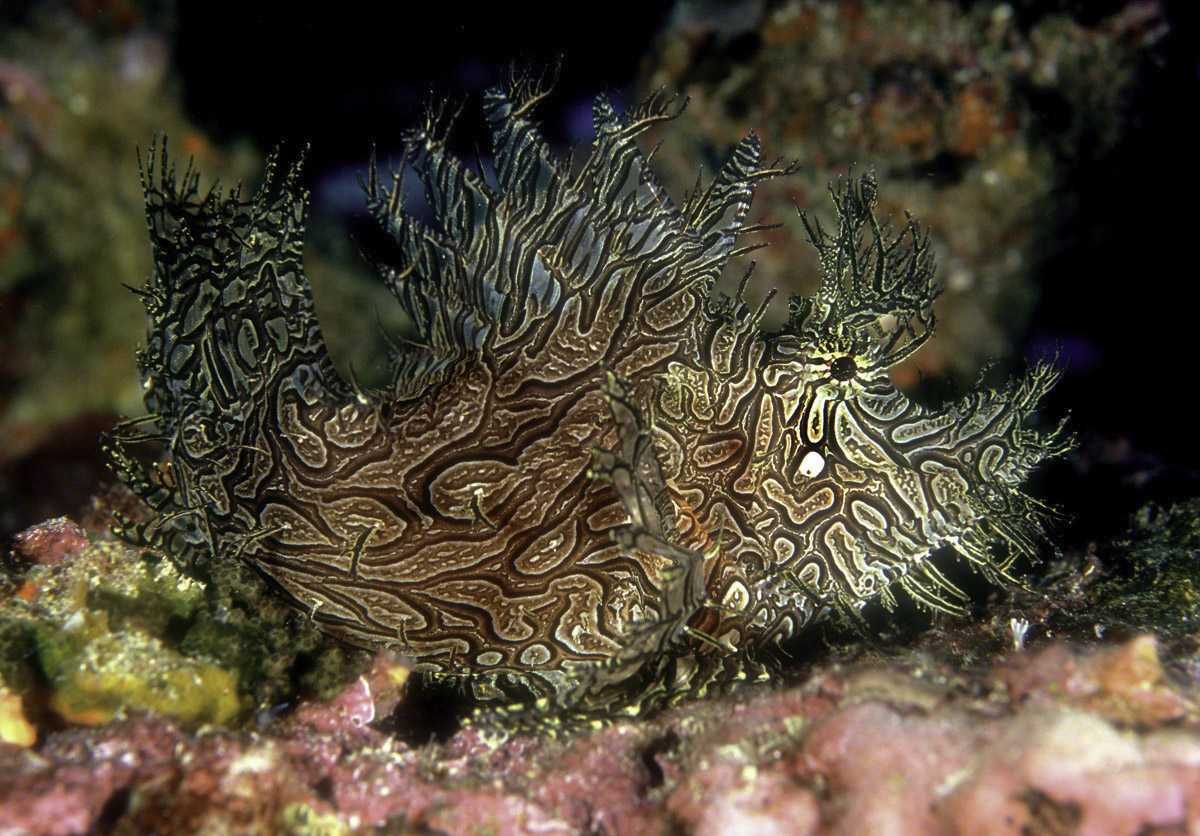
(985,726)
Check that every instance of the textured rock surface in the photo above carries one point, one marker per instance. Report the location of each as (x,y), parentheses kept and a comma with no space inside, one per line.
(91,631)
(947,730)
(855,748)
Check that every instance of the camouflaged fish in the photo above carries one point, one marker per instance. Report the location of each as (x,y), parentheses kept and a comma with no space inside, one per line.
(593,479)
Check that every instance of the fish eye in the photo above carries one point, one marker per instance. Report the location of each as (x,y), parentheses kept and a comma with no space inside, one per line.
(843,368)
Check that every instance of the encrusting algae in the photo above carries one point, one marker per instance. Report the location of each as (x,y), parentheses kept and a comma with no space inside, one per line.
(592,479)
(94,631)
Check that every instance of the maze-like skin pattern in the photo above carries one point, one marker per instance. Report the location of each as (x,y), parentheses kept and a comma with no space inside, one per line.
(590,470)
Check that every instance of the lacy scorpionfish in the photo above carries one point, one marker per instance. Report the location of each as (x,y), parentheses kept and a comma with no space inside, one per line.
(593,478)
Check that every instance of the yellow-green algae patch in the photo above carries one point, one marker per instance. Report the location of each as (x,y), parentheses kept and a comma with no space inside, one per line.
(98,674)
(302,820)
(111,630)
(14,727)
(130,587)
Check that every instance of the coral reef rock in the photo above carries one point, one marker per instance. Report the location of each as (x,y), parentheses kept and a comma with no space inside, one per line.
(857,748)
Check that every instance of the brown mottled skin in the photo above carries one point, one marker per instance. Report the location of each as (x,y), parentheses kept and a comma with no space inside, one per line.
(590,471)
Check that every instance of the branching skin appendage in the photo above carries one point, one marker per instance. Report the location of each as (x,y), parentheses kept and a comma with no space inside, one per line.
(592,481)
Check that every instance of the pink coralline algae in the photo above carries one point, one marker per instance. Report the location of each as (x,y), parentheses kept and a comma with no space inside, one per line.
(1051,741)
(51,542)
(373,695)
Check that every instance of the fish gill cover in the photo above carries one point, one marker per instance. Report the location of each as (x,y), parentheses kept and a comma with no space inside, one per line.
(593,479)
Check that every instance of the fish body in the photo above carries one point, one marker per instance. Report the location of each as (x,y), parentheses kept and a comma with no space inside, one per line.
(591,471)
